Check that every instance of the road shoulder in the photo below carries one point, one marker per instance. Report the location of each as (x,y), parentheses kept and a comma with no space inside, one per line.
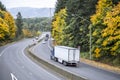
(101,65)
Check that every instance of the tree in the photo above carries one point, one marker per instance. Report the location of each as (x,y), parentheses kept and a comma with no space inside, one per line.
(58,26)
(115,1)
(61,4)
(2,7)
(27,33)
(8,27)
(79,12)
(111,33)
(37,24)
(97,19)
(4,30)
(77,21)
(11,23)
(19,24)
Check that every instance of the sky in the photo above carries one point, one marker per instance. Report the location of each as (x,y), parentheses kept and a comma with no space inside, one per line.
(29,3)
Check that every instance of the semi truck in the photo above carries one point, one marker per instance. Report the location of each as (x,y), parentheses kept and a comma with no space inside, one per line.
(66,55)
(46,37)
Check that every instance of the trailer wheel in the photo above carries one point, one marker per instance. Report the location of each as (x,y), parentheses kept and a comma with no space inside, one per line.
(56,59)
(64,63)
(76,65)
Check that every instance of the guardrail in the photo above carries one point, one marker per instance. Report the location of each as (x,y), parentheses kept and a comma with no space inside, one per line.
(65,73)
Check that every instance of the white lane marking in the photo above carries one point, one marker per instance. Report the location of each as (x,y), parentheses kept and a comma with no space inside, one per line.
(13,76)
(6,49)
(40,67)
(3,51)
(44,69)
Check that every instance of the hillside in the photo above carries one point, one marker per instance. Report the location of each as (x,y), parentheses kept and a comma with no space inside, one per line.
(28,12)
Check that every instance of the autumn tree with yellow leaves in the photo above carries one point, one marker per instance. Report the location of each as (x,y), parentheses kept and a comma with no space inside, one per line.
(11,23)
(111,33)
(4,30)
(97,20)
(106,32)
(58,26)
(72,28)
(7,25)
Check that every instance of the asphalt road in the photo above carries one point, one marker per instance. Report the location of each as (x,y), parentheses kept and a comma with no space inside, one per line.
(84,70)
(15,65)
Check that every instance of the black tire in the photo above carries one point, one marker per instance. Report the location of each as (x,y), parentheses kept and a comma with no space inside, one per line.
(65,63)
(76,65)
(56,60)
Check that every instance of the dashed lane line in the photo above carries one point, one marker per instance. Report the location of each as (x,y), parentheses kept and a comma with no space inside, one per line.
(13,76)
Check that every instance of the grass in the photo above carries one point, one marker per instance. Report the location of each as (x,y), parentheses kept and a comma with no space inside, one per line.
(85,58)
(101,65)
(85,55)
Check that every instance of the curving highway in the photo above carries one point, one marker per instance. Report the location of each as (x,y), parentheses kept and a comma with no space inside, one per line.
(15,65)
(42,50)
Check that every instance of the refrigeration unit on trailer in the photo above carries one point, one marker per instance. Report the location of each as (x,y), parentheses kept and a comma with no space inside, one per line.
(66,55)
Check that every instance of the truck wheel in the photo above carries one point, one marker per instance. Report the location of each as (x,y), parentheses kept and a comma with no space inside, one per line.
(76,65)
(56,59)
(64,63)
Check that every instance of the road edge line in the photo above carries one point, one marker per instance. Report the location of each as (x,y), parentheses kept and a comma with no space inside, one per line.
(67,74)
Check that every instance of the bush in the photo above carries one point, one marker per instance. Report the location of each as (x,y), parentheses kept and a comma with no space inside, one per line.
(116,62)
(85,55)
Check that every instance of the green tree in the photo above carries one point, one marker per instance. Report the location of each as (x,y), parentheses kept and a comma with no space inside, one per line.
(61,4)
(37,24)
(78,20)
(2,7)
(19,24)
(115,1)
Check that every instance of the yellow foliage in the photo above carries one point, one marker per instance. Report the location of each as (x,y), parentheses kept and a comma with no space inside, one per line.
(4,31)
(27,33)
(104,34)
(98,41)
(58,25)
(38,33)
(117,37)
(100,11)
(114,48)
(105,42)
(97,52)
(7,26)
(112,31)
(10,22)
(94,33)
(110,38)
(112,20)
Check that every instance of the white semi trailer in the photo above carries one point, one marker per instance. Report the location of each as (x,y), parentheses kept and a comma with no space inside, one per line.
(66,55)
